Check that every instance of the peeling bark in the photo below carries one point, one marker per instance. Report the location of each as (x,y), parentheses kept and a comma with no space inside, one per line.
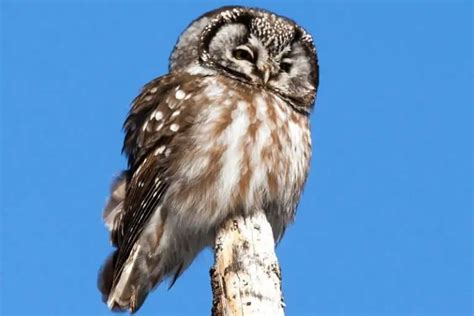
(246,278)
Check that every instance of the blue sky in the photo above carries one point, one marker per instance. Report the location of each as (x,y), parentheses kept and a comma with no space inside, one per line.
(385,224)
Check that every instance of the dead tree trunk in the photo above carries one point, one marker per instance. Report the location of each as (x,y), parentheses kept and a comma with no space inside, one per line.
(246,277)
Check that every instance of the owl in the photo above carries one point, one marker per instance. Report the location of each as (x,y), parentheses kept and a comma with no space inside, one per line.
(224,133)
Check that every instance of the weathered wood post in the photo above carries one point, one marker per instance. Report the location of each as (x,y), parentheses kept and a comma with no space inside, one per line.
(246,278)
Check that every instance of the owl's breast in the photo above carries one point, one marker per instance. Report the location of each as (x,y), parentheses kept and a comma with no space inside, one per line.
(246,149)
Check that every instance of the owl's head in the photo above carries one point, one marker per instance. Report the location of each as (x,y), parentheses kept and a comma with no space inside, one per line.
(253,46)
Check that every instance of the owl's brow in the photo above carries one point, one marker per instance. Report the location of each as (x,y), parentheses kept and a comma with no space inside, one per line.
(236,15)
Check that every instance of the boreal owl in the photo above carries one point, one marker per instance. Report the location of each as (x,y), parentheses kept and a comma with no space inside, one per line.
(225,132)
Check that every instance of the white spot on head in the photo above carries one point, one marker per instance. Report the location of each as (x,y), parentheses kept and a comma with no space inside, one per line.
(159,126)
(174,127)
(168,152)
(179,95)
(153,90)
(148,98)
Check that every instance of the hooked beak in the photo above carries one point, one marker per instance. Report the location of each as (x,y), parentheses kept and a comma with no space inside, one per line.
(266,71)
(266,75)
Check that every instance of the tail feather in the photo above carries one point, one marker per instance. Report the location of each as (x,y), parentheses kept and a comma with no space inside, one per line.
(158,253)
(126,286)
(132,286)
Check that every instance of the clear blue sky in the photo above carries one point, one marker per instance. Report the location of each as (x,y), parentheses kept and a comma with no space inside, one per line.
(385,224)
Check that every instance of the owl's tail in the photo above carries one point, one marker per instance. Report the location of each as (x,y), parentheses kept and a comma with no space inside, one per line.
(133,285)
(151,259)
(158,253)
(143,270)
(140,274)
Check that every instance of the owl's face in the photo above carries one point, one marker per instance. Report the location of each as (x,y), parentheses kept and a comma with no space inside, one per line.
(253,46)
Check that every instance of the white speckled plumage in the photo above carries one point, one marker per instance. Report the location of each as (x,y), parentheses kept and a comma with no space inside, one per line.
(226,132)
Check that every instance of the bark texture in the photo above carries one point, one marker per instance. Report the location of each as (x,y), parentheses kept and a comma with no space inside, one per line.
(246,278)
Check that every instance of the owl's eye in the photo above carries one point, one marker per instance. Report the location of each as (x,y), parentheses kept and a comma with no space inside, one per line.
(244,53)
(286,66)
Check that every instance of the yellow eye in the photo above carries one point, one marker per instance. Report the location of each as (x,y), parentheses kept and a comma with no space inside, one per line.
(243,53)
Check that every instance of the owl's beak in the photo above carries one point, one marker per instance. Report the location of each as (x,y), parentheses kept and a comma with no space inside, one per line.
(266,75)
(266,71)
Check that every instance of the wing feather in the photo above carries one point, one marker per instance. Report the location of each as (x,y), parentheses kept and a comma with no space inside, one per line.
(148,136)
